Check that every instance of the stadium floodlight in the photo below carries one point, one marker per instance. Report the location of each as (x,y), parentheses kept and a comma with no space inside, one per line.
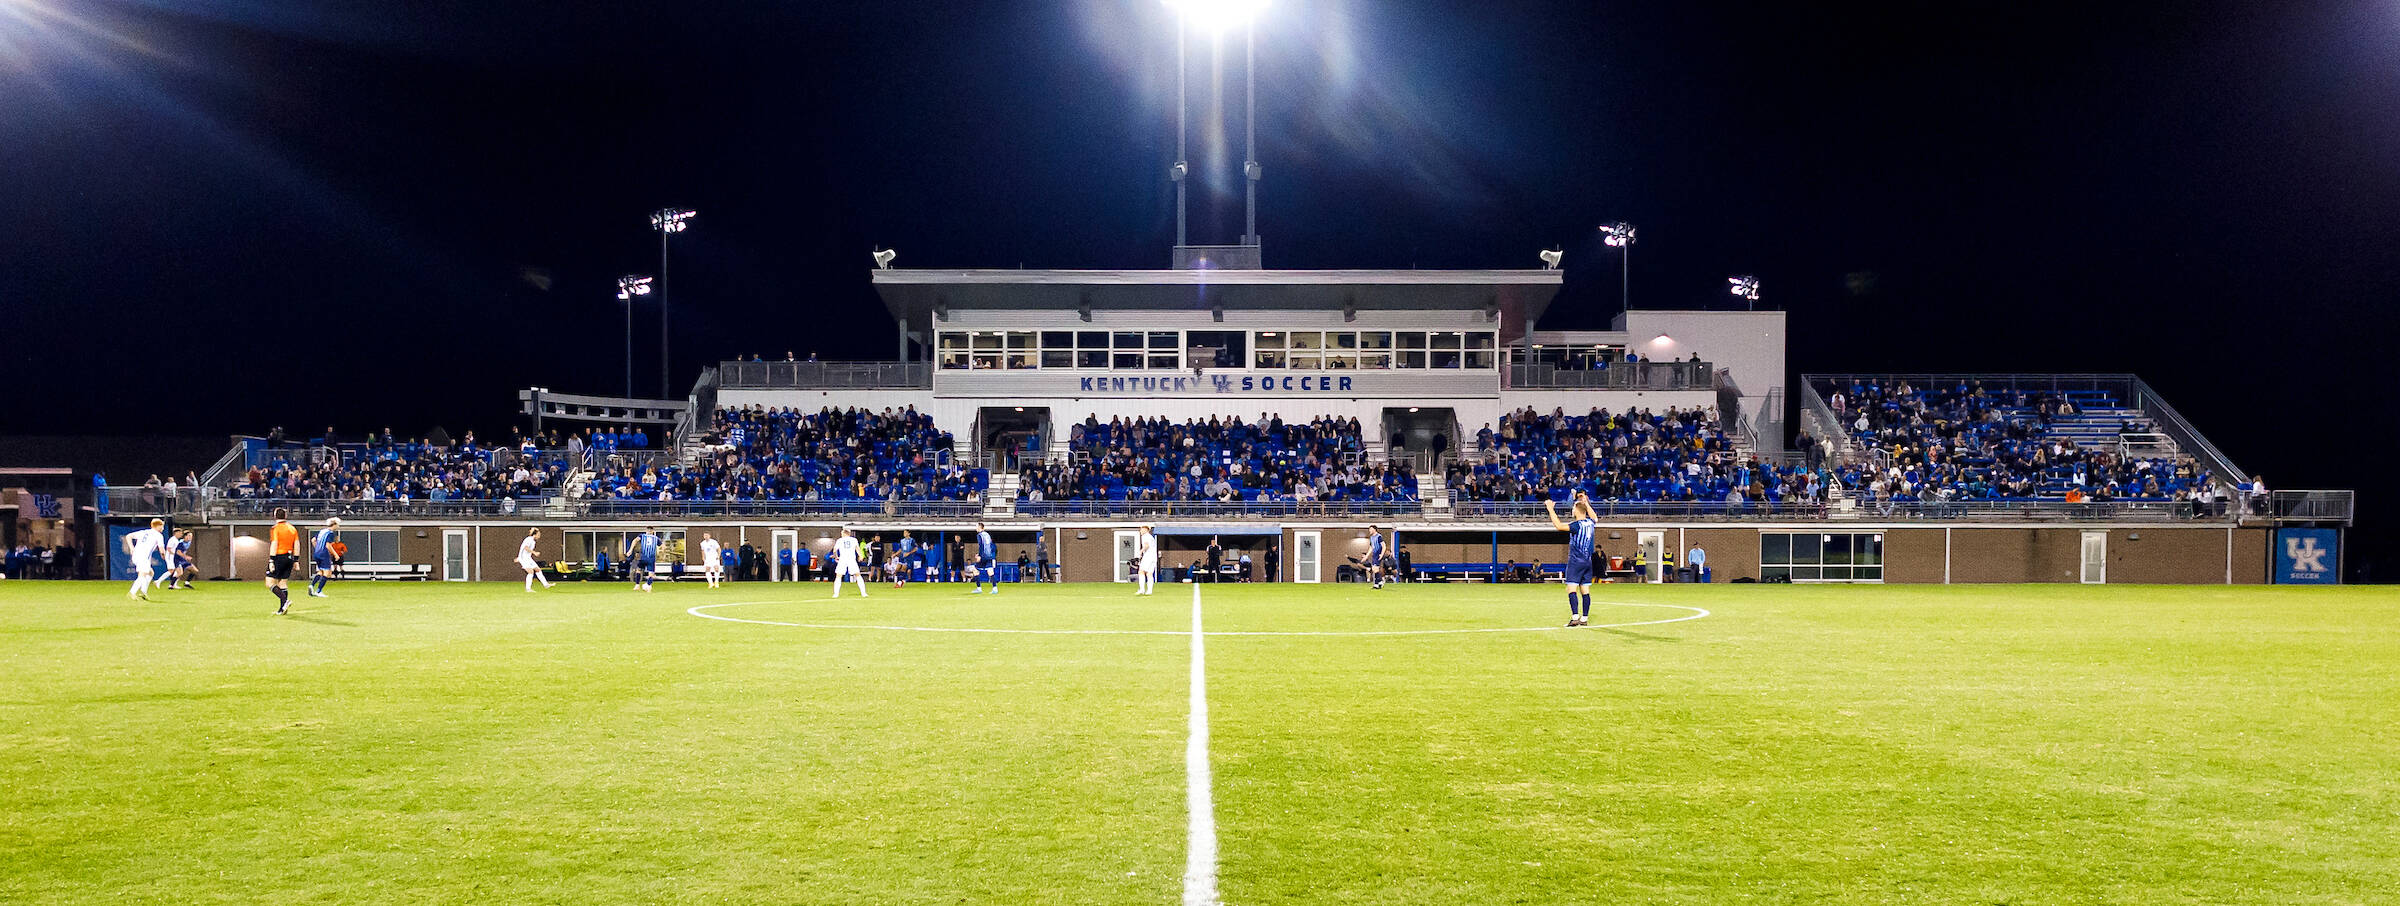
(1218,16)
(668,222)
(672,220)
(1744,288)
(629,286)
(1551,257)
(1619,236)
(883,259)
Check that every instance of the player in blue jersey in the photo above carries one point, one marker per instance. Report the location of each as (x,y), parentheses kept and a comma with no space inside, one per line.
(905,556)
(320,553)
(642,550)
(1580,553)
(1375,569)
(987,561)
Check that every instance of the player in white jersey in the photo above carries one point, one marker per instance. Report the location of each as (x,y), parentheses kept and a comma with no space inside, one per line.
(145,546)
(845,563)
(1145,551)
(712,560)
(527,560)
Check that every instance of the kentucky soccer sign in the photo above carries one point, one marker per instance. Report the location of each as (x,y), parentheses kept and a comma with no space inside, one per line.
(2307,556)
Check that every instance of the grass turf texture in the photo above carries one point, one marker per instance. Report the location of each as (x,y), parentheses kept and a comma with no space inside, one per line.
(453,743)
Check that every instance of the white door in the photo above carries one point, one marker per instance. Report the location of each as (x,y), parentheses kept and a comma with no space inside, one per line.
(2095,558)
(779,541)
(1654,551)
(1129,546)
(1305,555)
(454,555)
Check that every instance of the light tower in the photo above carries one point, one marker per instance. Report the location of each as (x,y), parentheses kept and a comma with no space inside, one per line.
(629,286)
(1745,288)
(1217,17)
(668,222)
(1619,236)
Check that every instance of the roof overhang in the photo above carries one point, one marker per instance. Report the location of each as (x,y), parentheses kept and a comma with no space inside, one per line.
(912,295)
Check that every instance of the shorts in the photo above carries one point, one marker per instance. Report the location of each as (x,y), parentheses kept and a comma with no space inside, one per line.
(279,567)
(985,565)
(1578,573)
(647,565)
(323,564)
(528,563)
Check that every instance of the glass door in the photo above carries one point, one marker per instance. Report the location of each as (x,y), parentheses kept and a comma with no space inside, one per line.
(2095,558)
(1129,546)
(454,555)
(1305,556)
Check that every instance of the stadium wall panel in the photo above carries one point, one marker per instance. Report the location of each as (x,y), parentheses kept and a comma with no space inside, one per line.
(1912,555)
(2014,555)
(1732,552)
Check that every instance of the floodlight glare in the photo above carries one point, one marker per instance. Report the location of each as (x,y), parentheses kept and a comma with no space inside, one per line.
(883,259)
(1218,15)
(1744,287)
(1550,258)
(631,286)
(1617,235)
(671,220)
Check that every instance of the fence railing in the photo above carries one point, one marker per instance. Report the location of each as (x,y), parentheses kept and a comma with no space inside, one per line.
(1219,509)
(2184,432)
(1619,376)
(2312,506)
(944,509)
(826,375)
(1756,511)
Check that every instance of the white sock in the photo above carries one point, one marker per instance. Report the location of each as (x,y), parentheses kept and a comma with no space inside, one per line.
(528,581)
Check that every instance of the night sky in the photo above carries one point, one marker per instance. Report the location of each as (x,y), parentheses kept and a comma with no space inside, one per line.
(222,216)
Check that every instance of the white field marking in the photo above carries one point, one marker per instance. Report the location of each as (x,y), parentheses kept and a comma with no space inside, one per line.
(1696,613)
(1200,848)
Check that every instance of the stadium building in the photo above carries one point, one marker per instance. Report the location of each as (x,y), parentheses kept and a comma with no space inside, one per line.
(1013,368)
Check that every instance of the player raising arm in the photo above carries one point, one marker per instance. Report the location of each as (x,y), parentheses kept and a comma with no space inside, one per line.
(1579,556)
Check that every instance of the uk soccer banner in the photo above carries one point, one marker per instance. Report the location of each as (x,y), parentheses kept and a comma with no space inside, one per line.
(2307,556)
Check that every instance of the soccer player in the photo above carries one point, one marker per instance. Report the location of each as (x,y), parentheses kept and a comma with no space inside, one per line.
(907,549)
(987,561)
(712,560)
(321,557)
(184,568)
(145,545)
(642,551)
(1578,576)
(1374,556)
(284,552)
(528,561)
(1145,552)
(845,563)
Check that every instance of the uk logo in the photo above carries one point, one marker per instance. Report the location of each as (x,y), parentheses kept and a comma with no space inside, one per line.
(2305,555)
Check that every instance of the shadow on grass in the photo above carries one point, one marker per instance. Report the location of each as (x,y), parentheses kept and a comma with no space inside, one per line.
(321,621)
(1632,636)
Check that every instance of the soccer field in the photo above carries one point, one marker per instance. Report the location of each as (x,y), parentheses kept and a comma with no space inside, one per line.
(404,743)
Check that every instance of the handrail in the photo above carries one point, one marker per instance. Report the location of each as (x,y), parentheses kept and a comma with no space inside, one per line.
(826,375)
(238,452)
(1620,376)
(1181,509)
(2185,434)
(2312,506)
(1831,432)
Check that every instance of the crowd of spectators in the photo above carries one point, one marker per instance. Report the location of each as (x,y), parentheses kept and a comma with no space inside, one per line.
(757,453)
(1964,442)
(1220,459)
(36,561)
(1635,456)
(387,467)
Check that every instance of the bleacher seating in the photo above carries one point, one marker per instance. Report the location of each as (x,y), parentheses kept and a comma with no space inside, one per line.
(1225,460)
(831,455)
(1964,442)
(1635,456)
(387,468)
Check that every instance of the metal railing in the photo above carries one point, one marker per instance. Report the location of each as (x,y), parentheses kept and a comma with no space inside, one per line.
(2312,506)
(137,500)
(1220,509)
(626,509)
(1961,510)
(1620,376)
(826,375)
(2174,425)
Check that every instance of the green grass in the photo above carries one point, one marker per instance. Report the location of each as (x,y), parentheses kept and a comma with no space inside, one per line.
(475,744)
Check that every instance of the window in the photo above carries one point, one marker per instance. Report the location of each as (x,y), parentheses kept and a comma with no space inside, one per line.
(1821,556)
(1270,349)
(1480,350)
(368,546)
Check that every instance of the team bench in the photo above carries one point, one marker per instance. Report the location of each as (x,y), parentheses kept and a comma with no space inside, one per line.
(378,571)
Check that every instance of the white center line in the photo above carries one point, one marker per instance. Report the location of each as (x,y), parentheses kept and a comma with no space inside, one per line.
(1200,860)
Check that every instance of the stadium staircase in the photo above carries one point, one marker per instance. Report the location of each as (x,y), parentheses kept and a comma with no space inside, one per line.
(1433,491)
(1000,500)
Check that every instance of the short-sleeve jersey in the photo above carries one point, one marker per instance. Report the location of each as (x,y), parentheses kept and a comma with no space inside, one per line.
(1579,541)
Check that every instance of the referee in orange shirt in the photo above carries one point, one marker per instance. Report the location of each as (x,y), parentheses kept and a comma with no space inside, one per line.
(281,557)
